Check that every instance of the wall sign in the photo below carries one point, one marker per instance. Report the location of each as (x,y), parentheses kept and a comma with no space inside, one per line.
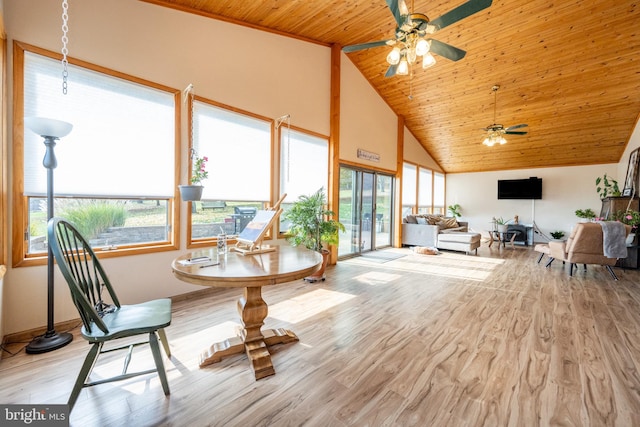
(368,155)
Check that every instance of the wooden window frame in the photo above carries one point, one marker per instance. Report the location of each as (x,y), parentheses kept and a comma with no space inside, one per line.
(20,201)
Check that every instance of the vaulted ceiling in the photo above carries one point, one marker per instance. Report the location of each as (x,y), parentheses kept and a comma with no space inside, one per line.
(570,69)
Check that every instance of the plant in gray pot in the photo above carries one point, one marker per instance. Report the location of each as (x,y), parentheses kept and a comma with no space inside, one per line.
(501,224)
(313,226)
(557,235)
(585,215)
(193,192)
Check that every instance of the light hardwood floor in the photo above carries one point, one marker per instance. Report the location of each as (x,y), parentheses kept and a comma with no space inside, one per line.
(447,340)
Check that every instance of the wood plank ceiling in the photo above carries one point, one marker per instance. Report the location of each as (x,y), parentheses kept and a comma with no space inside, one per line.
(570,69)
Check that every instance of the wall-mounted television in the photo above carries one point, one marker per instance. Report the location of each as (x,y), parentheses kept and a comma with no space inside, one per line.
(530,188)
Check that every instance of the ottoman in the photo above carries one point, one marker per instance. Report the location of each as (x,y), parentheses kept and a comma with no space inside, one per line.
(543,248)
(459,241)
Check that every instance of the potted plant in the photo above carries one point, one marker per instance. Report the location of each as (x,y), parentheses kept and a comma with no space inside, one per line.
(557,235)
(313,226)
(455,210)
(609,187)
(585,214)
(501,224)
(193,191)
(629,217)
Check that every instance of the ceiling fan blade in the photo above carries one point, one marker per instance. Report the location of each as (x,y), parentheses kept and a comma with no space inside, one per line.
(391,71)
(394,6)
(460,12)
(522,125)
(446,50)
(515,133)
(362,46)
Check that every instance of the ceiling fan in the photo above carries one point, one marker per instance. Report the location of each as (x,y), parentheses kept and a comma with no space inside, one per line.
(495,130)
(412,37)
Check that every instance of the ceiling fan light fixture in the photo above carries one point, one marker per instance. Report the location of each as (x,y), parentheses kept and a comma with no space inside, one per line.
(422,47)
(403,67)
(431,29)
(495,131)
(413,34)
(494,137)
(428,61)
(488,142)
(394,56)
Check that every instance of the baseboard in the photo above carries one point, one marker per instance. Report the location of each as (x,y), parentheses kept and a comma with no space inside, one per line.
(68,325)
(27,336)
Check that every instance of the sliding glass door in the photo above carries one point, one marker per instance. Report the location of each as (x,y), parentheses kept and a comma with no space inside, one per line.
(366,202)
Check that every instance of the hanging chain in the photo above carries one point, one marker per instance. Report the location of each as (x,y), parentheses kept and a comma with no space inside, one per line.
(191,97)
(410,82)
(65,41)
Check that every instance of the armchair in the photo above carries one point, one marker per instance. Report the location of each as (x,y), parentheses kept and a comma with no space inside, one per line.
(585,246)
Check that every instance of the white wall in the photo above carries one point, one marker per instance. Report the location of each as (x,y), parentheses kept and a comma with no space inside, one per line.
(366,121)
(415,153)
(563,191)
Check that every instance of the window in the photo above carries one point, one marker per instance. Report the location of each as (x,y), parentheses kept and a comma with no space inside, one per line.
(304,166)
(116,170)
(429,187)
(438,193)
(409,188)
(238,146)
(425,190)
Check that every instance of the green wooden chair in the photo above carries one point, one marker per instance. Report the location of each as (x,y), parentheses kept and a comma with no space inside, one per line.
(105,319)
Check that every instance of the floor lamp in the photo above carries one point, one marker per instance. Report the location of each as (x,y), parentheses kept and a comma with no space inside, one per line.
(50,130)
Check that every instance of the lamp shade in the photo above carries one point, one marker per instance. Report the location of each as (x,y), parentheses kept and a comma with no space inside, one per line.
(48,127)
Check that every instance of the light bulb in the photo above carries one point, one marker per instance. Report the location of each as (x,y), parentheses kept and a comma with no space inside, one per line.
(428,60)
(488,142)
(502,140)
(422,47)
(394,56)
(403,67)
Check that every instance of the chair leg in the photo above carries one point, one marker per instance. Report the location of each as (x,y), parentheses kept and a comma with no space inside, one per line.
(571,265)
(549,262)
(157,357)
(610,270)
(85,371)
(540,257)
(165,343)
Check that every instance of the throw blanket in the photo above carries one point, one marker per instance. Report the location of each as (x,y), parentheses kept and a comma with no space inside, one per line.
(613,239)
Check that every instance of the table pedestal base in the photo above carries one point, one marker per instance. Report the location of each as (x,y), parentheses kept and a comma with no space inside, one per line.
(501,237)
(251,339)
(257,351)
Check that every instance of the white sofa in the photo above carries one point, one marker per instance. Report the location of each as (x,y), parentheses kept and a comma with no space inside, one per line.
(440,232)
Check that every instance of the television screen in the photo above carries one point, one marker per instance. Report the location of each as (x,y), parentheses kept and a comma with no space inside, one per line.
(520,188)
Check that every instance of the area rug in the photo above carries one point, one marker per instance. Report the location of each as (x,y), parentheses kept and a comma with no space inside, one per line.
(381,256)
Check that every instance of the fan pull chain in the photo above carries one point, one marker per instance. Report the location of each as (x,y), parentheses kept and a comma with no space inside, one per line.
(410,83)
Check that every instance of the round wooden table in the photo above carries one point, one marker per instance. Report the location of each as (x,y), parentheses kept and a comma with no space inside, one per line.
(251,272)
